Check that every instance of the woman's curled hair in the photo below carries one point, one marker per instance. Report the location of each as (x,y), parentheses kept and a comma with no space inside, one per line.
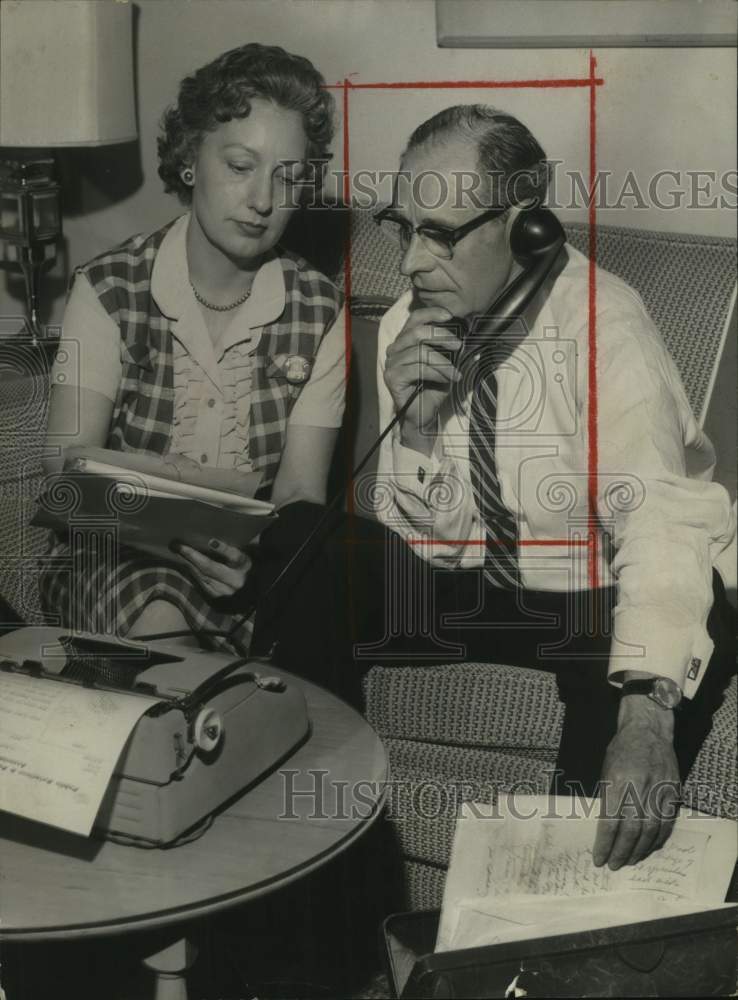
(223,90)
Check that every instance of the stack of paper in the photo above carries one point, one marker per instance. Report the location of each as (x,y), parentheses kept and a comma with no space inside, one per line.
(146,484)
(155,513)
(522,868)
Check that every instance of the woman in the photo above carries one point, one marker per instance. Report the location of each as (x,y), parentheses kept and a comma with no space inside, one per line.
(206,344)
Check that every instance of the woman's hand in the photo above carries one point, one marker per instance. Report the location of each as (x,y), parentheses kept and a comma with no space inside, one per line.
(222,571)
(183,466)
(188,470)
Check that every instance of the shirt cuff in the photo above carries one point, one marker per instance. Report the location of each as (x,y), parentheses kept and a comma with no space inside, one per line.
(679,653)
(413,468)
(412,474)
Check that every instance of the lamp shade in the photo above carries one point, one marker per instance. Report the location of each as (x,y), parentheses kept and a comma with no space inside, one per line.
(66,73)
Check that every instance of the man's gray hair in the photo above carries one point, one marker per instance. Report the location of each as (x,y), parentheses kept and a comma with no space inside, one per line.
(508,153)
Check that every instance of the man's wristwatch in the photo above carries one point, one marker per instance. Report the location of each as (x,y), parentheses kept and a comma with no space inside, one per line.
(665,692)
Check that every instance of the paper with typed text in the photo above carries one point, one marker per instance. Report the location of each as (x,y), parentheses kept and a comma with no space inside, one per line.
(59,743)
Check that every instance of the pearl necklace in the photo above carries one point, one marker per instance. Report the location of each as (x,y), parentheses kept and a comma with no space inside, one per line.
(217,308)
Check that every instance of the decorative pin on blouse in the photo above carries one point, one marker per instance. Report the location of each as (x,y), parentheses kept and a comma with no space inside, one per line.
(294,367)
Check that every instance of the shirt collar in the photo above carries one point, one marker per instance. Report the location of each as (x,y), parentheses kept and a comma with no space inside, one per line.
(172,292)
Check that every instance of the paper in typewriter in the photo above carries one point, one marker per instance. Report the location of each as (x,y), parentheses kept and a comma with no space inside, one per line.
(523,868)
(59,744)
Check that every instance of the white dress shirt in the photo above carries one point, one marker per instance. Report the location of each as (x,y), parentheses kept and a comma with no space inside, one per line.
(661,521)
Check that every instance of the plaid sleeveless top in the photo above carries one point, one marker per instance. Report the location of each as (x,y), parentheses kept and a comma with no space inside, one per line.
(143,413)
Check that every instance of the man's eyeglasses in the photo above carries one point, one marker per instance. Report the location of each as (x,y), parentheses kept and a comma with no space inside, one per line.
(437,239)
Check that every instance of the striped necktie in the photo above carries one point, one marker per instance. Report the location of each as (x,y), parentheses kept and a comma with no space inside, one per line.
(501,558)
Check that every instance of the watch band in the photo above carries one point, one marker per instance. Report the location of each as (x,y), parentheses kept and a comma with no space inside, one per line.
(665,692)
(642,686)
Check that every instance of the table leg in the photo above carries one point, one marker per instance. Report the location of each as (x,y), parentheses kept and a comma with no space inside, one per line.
(170,968)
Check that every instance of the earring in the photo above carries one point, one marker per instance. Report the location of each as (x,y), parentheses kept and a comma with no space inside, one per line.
(188,176)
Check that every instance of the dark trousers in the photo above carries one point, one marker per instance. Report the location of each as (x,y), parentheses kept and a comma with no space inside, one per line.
(362,596)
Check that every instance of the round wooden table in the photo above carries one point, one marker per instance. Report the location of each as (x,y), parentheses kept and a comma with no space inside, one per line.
(55,885)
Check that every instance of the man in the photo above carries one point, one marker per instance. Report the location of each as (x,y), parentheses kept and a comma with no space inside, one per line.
(486,488)
(658,527)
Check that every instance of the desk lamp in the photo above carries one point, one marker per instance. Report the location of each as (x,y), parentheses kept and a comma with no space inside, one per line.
(66,79)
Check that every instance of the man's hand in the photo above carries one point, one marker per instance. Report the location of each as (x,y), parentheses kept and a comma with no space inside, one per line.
(412,359)
(222,571)
(640,785)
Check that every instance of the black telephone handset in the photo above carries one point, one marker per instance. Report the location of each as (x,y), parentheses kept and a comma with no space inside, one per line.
(536,239)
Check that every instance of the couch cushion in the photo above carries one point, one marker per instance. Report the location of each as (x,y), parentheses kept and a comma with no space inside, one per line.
(466,704)
(686,283)
(424,886)
(712,784)
(430,781)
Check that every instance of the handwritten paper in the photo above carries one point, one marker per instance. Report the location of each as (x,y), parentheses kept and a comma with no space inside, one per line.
(59,744)
(528,848)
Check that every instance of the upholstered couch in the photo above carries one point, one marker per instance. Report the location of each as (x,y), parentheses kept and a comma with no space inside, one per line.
(465,729)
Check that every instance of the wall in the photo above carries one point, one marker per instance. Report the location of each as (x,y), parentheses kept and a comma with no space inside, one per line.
(658,109)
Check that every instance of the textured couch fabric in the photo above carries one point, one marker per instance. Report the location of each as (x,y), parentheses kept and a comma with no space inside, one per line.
(462,731)
(24,389)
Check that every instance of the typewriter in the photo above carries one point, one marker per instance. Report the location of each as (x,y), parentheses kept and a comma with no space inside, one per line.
(217,727)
